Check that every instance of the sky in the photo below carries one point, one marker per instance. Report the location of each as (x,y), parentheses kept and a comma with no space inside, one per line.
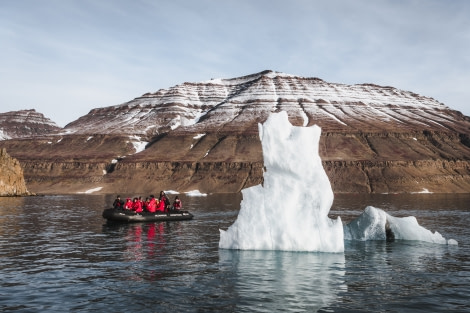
(66,57)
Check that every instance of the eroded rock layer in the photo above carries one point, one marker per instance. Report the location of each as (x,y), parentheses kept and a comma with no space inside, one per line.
(11,176)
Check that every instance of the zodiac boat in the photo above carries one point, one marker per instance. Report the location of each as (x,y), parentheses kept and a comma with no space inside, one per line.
(128,216)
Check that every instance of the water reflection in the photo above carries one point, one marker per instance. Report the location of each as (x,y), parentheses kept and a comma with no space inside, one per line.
(59,255)
(383,276)
(144,241)
(267,281)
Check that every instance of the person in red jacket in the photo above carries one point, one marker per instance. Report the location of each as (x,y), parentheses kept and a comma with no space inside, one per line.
(164,199)
(161,206)
(177,204)
(137,206)
(128,204)
(152,204)
(145,205)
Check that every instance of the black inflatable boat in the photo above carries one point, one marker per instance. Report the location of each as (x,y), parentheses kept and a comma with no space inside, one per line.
(120,215)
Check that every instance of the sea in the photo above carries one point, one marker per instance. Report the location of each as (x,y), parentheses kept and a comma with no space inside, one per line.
(57,254)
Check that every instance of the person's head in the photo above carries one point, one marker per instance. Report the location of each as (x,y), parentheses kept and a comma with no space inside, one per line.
(119,197)
(177,198)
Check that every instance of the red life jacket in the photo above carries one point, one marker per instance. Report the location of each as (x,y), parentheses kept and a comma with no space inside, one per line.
(161,206)
(152,205)
(128,205)
(137,206)
(177,204)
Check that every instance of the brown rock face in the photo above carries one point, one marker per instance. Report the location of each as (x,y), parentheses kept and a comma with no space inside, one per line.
(205,136)
(11,176)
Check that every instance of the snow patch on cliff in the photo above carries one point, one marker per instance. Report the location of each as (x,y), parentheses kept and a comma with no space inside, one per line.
(138,143)
(4,136)
(91,190)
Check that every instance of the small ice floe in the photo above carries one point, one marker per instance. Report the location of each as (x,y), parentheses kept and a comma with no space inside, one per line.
(425,190)
(376,224)
(171,192)
(195,193)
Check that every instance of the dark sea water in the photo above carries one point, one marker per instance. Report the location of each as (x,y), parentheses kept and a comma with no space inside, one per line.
(57,254)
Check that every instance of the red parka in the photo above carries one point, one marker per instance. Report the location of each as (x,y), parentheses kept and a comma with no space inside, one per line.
(128,204)
(137,205)
(161,206)
(152,205)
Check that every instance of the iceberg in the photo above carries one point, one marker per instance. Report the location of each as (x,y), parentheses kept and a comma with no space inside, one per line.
(376,224)
(289,212)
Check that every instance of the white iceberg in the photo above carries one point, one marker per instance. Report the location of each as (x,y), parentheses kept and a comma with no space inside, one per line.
(376,224)
(289,211)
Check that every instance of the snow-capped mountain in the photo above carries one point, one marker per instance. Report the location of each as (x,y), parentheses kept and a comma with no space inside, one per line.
(204,136)
(240,103)
(25,124)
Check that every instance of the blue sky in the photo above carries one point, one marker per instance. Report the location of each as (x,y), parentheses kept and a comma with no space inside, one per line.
(66,57)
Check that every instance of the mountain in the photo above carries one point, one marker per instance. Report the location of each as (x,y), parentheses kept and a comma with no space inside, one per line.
(204,136)
(25,124)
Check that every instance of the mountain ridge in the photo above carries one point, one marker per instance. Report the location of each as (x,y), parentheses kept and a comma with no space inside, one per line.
(205,136)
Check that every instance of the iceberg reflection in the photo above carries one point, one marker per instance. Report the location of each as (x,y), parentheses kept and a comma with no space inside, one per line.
(267,281)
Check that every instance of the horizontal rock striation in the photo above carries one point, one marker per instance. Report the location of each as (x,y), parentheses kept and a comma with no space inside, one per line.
(204,136)
(25,124)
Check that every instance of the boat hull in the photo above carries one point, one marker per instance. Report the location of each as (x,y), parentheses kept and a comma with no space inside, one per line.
(118,215)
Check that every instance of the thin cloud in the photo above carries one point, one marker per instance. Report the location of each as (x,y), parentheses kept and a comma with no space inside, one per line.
(91,54)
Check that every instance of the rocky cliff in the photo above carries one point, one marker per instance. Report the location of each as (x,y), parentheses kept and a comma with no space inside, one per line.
(11,176)
(204,136)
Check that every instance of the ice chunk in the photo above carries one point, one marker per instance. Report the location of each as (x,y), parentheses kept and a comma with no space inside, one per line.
(195,193)
(376,224)
(290,210)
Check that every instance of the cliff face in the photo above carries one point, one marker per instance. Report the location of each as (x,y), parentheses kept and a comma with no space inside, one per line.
(205,136)
(11,176)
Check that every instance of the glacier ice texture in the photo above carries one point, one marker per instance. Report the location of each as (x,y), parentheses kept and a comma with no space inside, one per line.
(289,212)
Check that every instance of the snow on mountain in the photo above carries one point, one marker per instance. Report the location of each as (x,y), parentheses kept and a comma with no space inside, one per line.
(242,102)
(25,123)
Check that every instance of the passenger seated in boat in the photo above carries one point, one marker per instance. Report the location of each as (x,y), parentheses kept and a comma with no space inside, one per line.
(145,204)
(177,204)
(137,206)
(128,204)
(161,206)
(118,203)
(152,204)
(164,198)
